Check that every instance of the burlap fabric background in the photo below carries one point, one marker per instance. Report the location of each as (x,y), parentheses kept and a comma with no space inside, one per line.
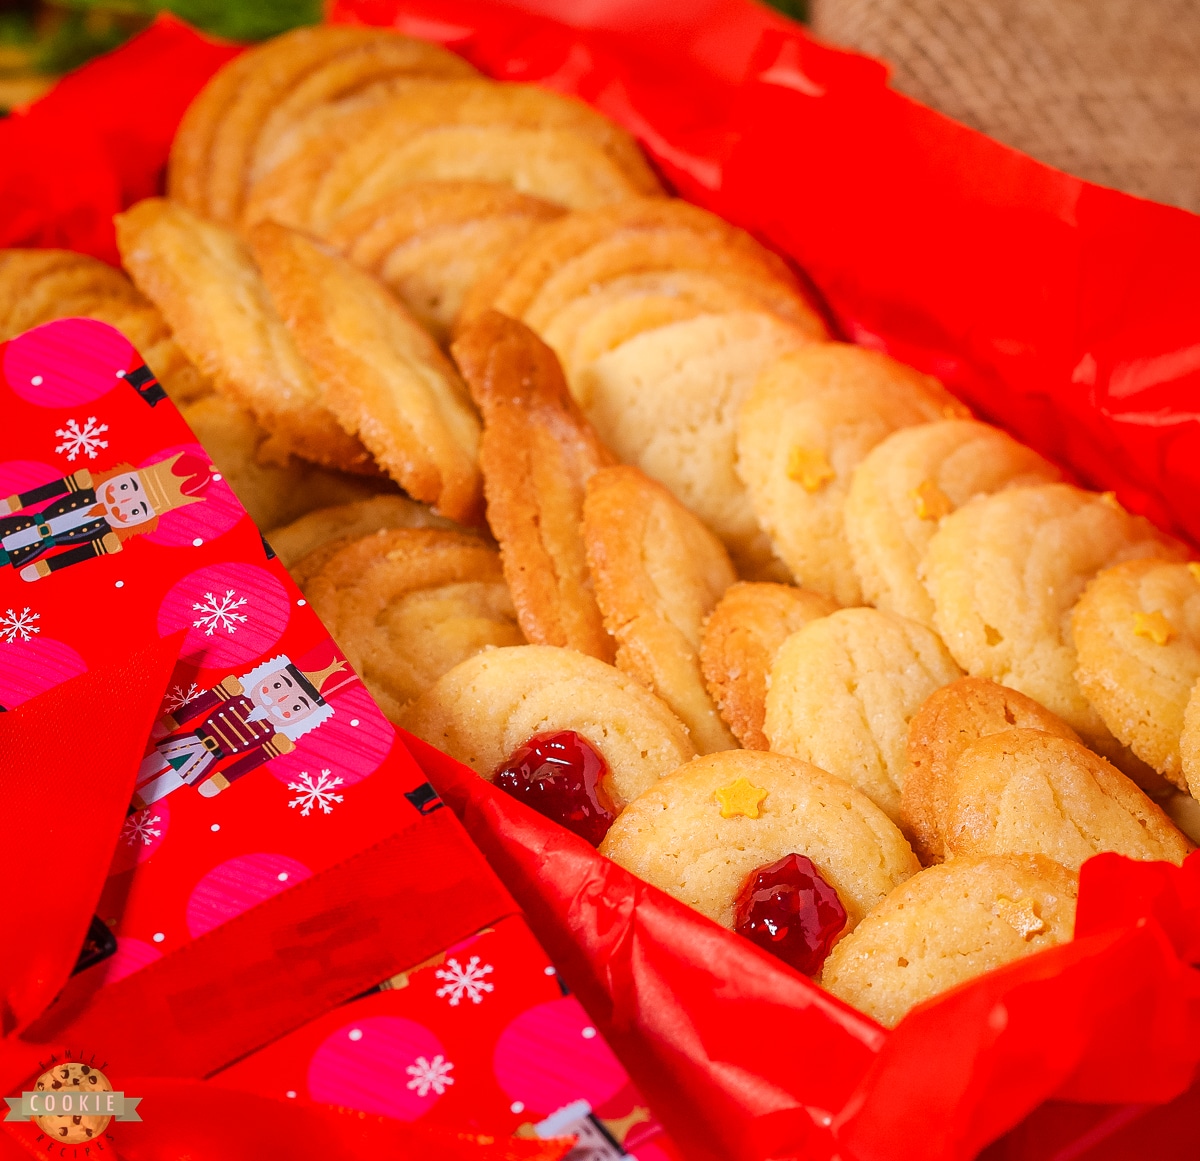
(1108,90)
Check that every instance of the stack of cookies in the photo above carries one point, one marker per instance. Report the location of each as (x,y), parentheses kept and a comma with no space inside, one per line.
(579,480)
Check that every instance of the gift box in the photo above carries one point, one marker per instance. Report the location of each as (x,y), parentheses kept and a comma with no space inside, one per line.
(1057,309)
(289,910)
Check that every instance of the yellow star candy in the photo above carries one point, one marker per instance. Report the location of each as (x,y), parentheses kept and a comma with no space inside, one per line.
(930,502)
(809,468)
(1194,568)
(740,797)
(1154,626)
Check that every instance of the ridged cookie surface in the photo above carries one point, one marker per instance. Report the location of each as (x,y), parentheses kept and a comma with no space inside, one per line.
(741,637)
(377,370)
(1028,792)
(667,400)
(584,252)
(297,539)
(657,573)
(1137,637)
(677,837)
(204,280)
(488,706)
(811,418)
(432,240)
(907,483)
(1004,572)
(537,454)
(407,605)
(843,690)
(947,925)
(949,720)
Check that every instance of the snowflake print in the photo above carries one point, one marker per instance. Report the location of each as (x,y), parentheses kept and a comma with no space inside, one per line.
(86,439)
(464,981)
(218,613)
(430,1074)
(140,827)
(177,697)
(20,626)
(316,792)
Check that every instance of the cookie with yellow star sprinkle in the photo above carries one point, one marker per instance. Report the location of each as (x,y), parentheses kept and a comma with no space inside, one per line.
(907,483)
(947,925)
(1004,572)
(810,420)
(701,832)
(1137,635)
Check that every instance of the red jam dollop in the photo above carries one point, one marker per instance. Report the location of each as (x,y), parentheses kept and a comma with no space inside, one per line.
(788,909)
(561,776)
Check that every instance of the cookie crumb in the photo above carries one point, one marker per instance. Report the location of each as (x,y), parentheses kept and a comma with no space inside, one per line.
(740,797)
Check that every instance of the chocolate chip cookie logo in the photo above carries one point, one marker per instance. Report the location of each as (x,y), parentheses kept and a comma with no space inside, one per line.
(72,1103)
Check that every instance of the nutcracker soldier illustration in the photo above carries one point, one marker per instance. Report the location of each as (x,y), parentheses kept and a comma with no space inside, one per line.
(251,718)
(90,516)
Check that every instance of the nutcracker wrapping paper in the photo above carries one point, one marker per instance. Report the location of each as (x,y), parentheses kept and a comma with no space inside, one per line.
(1059,310)
(287,890)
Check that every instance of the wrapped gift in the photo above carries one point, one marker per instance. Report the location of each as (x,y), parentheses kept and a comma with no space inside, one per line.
(287,890)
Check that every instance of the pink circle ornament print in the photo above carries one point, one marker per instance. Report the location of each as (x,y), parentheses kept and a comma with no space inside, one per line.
(67,363)
(385,1065)
(232,612)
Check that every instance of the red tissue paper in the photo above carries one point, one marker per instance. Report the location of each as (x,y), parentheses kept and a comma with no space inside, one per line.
(1060,310)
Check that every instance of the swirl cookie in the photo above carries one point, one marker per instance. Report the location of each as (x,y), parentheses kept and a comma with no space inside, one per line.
(537,455)
(583,253)
(540,143)
(1028,792)
(612,313)
(488,706)
(907,483)
(407,605)
(1004,572)
(700,832)
(810,420)
(430,241)
(294,541)
(39,286)
(1189,743)
(1137,638)
(204,281)
(657,573)
(667,400)
(740,639)
(244,113)
(947,925)
(843,690)
(377,370)
(950,720)
(273,487)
